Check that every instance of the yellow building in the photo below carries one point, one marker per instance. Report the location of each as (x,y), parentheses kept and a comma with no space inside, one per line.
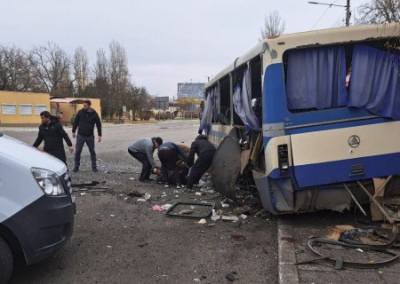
(22,109)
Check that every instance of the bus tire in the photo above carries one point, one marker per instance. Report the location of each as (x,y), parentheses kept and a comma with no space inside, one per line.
(6,262)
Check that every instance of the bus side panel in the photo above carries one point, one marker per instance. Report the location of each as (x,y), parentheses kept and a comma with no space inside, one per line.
(332,156)
(217,133)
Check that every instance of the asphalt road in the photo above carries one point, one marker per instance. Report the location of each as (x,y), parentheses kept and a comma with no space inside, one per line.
(118,239)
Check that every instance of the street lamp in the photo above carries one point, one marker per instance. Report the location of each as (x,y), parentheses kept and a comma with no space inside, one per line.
(347,6)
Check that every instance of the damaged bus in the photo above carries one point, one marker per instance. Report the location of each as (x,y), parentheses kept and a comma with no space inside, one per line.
(311,120)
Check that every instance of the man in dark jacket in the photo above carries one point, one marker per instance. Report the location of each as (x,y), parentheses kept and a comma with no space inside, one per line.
(142,150)
(205,152)
(85,120)
(52,132)
(171,155)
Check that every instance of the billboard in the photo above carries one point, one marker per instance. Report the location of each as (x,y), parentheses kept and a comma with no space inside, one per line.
(191,90)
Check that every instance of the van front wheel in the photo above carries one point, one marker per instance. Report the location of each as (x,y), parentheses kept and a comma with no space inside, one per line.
(6,262)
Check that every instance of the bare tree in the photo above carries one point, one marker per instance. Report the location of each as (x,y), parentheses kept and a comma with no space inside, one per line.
(52,65)
(273,25)
(17,72)
(119,76)
(101,82)
(378,12)
(81,70)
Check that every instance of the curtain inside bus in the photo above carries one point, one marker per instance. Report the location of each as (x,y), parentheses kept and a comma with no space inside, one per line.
(375,82)
(316,78)
(209,109)
(241,98)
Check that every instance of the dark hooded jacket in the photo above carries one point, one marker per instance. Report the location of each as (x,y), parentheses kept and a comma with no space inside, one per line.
(85,121)
(199,146)
(53,135)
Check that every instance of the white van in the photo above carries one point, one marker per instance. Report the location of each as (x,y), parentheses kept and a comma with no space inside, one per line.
(36,204)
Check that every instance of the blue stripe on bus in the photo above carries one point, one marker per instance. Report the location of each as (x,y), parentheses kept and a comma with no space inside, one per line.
(339,171)
(339,125)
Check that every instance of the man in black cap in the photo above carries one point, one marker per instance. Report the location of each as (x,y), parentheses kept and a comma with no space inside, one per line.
(142,150)
(205,152)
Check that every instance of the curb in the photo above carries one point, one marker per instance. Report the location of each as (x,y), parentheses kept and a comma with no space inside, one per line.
(286,255)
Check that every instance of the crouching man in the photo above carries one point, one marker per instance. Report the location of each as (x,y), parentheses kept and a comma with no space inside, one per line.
(171,156)
(142,150)
(205,152)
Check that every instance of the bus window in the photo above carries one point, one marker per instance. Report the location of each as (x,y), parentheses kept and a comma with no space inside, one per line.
(224,115)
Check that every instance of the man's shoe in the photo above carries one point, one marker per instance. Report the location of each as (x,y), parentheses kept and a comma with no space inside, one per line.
(95,170)
(178,186)
(76,170)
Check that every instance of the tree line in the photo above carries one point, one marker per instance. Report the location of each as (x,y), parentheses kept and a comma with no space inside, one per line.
(49,69)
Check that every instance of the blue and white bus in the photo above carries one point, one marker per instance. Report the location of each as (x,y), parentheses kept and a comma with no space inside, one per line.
(306,118)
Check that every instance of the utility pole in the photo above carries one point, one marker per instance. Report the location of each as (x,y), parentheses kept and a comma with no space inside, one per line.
(348,14)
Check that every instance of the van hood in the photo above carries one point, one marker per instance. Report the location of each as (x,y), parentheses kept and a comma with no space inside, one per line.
(29,155)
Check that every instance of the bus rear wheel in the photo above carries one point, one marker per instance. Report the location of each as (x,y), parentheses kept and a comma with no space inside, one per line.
(6,262)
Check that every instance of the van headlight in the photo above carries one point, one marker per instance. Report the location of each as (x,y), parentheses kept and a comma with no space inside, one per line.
(48,181)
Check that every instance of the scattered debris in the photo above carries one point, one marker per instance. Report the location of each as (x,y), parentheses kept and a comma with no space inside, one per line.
(135,193)
(202,221)
(157,208)
(362,240)
(242,210)
(166,206)
(232,276)
(147,196)
(230,218)
(141,200)
(337,230)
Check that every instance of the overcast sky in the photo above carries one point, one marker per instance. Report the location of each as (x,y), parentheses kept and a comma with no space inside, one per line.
(167,41)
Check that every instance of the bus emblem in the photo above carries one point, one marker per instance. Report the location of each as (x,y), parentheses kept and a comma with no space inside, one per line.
(354,141)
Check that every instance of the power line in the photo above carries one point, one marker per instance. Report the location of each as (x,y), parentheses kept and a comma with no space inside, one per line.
(329,6)
(338,19)
(320,18)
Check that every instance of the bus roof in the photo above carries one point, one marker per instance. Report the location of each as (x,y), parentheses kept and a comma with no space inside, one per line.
(276,45)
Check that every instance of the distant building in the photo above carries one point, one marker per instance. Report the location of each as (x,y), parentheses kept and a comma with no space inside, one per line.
(191,90)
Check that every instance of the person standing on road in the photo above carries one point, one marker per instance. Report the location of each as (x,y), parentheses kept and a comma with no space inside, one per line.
(205,152)
(142,150)
(52,132)
(85,120)
(171,155)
